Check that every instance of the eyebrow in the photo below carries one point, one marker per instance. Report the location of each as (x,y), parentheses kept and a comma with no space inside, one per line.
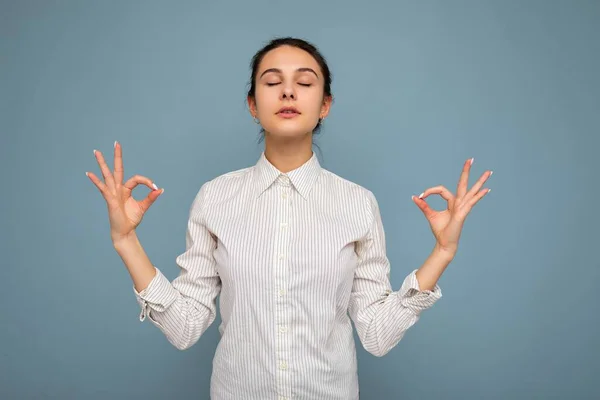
(277,70)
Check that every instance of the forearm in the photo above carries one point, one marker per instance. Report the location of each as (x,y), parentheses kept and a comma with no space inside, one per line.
(432,269)
(136,260)
(382,322)
(181,318)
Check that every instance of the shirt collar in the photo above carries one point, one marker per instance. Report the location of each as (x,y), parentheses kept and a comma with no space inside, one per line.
(303,178)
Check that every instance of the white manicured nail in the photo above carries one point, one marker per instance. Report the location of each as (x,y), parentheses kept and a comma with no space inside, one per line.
(472,159)
(115,144)
(421,195)
(154,186)
(94,152)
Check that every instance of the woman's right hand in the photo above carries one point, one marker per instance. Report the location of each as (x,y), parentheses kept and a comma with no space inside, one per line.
(124,212)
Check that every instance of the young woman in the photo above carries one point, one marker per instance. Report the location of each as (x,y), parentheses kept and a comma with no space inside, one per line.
(295,251)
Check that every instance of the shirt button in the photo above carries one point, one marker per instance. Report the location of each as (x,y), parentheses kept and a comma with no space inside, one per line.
(281,256)
(283,225)
(283,329)
(283,365)
(284,195)
(281,292)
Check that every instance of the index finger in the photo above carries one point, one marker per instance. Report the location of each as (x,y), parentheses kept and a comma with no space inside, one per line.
(118,163)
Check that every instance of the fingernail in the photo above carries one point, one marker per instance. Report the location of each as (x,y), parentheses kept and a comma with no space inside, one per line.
(491,172)
(86,174)
(115,144)
(421,195)
(472,159)
(94,151)
(154,186)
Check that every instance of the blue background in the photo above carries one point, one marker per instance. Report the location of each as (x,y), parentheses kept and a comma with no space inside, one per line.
(419,88)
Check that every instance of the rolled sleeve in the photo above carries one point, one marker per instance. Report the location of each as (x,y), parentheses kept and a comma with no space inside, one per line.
(382,316)
(158,295)
(415,299)
(184,308)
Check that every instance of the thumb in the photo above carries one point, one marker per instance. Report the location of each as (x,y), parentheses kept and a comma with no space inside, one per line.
(423,206)
(150,199)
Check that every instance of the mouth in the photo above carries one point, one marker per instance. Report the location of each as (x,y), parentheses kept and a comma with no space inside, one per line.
(288,112)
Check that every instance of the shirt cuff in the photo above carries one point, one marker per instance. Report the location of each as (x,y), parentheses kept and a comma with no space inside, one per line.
(415,299)
(158,295)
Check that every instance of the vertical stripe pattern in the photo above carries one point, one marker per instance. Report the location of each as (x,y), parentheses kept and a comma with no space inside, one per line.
(296,258)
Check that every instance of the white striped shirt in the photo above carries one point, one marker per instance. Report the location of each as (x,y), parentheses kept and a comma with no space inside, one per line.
(293,256)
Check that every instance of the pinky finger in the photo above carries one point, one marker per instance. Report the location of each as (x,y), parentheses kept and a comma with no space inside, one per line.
(478,196)
(99,184)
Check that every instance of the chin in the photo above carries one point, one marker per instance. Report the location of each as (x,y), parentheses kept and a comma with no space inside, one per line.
(288,130)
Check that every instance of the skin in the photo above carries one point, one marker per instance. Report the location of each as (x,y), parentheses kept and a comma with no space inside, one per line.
(447,225)
(288,145)
(288,142)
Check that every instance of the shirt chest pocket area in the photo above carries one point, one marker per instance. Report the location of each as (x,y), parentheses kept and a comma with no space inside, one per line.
(324,253)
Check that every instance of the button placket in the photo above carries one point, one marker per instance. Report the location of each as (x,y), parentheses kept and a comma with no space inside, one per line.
(280,272)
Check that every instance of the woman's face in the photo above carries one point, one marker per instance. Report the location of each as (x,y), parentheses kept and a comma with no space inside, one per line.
(289,77)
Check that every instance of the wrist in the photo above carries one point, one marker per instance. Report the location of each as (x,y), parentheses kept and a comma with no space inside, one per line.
(444,252)
(125,241)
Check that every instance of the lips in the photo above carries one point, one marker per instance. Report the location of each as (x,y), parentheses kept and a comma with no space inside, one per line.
(288,111)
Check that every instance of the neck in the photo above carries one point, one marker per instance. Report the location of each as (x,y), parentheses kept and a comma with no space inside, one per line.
(287,154)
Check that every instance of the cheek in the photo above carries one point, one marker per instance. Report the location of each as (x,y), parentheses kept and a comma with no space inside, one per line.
(314,104)
(315,98)
(265,98)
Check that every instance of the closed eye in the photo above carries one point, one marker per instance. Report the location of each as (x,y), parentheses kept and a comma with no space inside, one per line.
(301,84)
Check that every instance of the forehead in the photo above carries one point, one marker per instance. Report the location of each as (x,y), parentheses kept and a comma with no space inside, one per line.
(288,58)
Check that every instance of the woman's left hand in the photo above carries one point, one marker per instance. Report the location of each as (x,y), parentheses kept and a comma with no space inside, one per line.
(447,225)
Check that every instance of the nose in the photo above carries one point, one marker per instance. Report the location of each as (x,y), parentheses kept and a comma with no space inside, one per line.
(288,91)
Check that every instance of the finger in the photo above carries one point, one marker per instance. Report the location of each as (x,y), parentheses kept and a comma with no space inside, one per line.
(99,184)
(118,163)
(150,199)
(477,186)
(140,180)
(422,204)
(108,178)
(463,182)
(442,191)
(473,200)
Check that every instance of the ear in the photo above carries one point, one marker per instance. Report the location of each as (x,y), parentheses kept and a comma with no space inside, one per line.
(327,100)
(252,106)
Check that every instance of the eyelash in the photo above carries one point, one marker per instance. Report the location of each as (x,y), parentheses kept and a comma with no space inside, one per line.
(301,84)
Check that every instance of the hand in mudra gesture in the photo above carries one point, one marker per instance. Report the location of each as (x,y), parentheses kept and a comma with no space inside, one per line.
(124,212)
(447,225)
